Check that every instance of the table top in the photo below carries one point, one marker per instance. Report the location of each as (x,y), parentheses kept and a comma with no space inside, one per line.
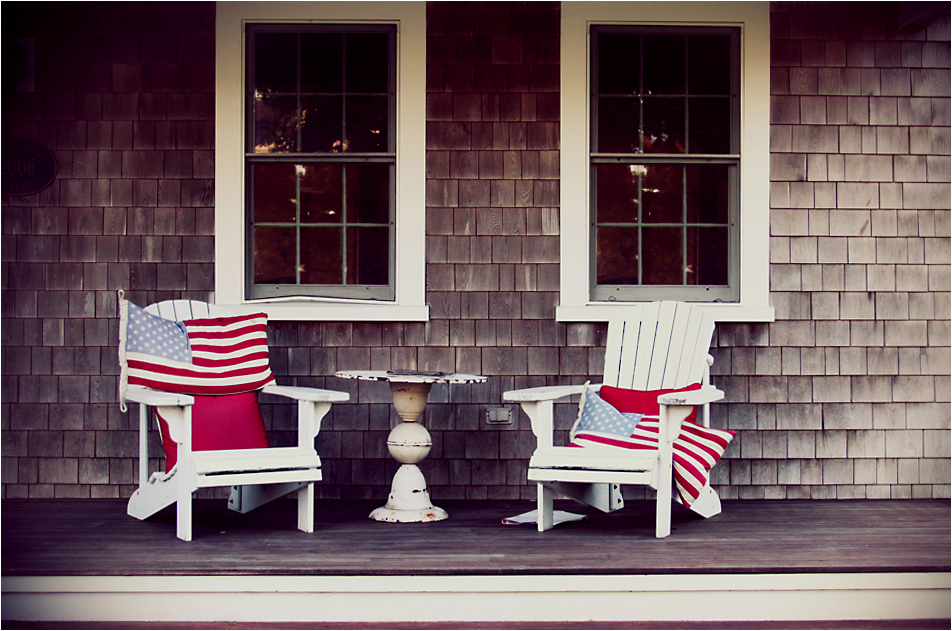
(411,376)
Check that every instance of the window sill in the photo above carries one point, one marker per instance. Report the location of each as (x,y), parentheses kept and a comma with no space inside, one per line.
(316,311)
(605,311)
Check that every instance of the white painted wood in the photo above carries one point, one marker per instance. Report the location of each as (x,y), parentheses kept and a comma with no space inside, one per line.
(503,598)
(284,469)
(649,347)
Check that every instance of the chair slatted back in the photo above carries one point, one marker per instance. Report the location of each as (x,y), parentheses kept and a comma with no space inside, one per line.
(179,310)
(658,345)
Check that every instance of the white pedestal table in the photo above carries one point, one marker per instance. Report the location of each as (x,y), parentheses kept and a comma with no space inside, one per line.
(409,442)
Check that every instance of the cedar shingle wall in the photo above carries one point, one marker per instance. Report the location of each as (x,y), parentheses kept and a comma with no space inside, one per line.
(846,395)
(125,98)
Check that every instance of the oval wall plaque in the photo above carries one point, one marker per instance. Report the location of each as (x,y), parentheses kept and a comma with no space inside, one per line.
(28,167)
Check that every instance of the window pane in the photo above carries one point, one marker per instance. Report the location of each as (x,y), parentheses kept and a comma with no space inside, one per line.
(618,64)
(664,64)
(664,125)
(618,125)
(275,124)
(707,256)
(368,69)
(275,62)
(321,257)
(368,193)
(662,264)
(368,254)
(709,64)
(322,62)
(617,192)
(367,118)
(661,194)
(275,254)
(322,193)
(274,187)
(617,254)
(322,124)
(710,125)
(708,199)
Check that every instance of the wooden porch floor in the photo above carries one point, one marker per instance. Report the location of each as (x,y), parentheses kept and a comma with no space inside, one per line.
(751,541)
(97,538)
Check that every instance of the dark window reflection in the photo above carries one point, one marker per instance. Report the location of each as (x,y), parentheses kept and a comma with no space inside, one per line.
(617,262)
(618,187)
(663,256)
(664,64)
(322,220)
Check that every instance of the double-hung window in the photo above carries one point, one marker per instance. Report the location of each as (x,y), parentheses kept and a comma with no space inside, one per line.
(665,157)
(664,162)
(320,160)
(320,155)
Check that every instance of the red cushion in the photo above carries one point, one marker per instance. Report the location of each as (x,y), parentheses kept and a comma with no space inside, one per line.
(223,422)
(642,401)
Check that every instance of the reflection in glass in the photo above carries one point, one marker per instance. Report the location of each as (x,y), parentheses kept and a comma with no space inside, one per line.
(368,250)
(619,64)
(617,258)
(366,60)
(322,125)
(662,264)
(366,124)
(664,64)
(664,125)
(321,258)
(619,128)
(276,123)
(708,198)
(322,62)
(617,193)
(707,256)
(275,255)
(275,199)
(368,193)
(710,125)
(322,196)
(661,194)
(709,64)
(275,63)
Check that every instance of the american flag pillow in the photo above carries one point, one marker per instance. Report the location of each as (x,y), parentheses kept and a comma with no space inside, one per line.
(211,356)
(696,450)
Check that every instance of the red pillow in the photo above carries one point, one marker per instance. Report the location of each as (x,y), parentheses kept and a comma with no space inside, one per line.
(642,401)
(224,422)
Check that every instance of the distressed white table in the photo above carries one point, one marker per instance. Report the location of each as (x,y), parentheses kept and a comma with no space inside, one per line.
(409,442)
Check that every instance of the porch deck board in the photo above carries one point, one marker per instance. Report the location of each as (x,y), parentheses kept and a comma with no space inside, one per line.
(84,537)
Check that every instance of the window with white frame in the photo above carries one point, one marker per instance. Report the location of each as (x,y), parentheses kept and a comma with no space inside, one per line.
(666,168)
(320,159)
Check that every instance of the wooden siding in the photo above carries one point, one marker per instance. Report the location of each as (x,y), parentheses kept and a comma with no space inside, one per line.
(845,396)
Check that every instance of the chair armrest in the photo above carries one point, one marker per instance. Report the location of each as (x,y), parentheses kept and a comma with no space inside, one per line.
(158,398)
(543,393)
(707,394)
(315,395)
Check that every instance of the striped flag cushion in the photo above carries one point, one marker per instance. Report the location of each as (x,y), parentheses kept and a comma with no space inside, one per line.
(696,450)
(211,356)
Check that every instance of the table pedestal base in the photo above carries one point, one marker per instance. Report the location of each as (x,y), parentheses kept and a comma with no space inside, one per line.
(409,499)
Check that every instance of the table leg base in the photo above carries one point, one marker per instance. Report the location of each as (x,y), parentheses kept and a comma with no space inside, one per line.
(433,513)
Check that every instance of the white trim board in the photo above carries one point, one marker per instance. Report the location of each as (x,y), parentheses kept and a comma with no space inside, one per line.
(510,598)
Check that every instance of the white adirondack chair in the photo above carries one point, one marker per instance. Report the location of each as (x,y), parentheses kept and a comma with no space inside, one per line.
(256,476)
(653,346)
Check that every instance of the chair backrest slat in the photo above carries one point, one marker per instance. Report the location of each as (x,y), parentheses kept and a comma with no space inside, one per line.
(658,345)
(179,310)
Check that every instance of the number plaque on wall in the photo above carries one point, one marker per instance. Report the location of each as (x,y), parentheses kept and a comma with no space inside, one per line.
(28,167)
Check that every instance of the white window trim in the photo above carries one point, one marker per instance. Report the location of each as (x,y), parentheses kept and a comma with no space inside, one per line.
(410,273)
(753,18)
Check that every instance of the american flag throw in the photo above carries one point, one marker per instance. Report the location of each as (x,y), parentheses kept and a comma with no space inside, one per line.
(211,356)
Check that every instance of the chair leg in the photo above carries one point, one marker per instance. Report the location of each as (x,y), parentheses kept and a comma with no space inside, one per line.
(545,497)
(663,501)
(305,501)
(183,516)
